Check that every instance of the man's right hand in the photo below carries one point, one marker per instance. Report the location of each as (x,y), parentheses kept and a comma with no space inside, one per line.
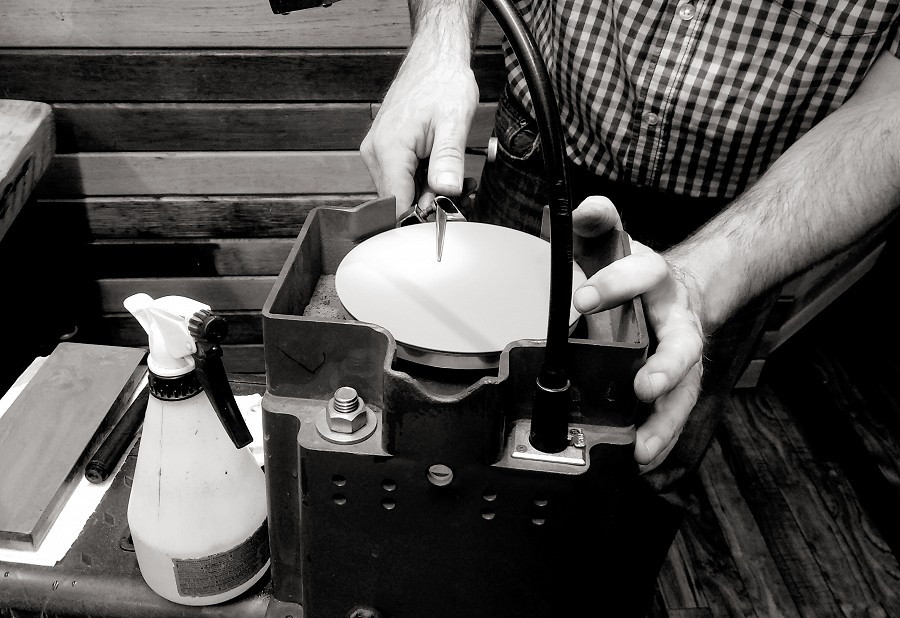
(426,114)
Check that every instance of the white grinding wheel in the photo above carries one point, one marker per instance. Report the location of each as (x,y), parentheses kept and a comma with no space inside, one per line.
(491,287)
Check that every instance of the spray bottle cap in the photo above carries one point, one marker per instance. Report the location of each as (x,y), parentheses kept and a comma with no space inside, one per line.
(166,322)
(184,337)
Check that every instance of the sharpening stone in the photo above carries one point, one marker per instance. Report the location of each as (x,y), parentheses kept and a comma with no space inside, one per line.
(49,432)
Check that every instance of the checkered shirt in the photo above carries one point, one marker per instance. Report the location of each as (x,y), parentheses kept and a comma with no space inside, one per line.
(699,97)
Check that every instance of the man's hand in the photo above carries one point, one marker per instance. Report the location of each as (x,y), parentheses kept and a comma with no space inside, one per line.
(426,113)
(670,379)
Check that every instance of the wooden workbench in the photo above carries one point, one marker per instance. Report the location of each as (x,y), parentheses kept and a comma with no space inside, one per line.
(99,575)
(27,143)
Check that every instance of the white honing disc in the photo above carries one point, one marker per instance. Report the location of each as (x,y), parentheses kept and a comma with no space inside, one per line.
(491,288)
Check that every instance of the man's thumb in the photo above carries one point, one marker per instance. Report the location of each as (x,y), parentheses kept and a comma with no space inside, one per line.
(447,163)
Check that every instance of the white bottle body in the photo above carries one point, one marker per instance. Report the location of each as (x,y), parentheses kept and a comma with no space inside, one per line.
(197,511)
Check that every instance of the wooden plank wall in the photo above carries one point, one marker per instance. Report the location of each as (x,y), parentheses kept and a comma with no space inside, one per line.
(193,139)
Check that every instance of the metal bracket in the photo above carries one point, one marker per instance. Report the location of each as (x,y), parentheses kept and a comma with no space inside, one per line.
(414,214)
(572,455)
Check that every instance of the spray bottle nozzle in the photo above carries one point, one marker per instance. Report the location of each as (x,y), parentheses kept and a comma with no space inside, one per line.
(185,336)
(204,324)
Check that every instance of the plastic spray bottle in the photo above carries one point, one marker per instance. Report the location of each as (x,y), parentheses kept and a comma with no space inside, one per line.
(197,511)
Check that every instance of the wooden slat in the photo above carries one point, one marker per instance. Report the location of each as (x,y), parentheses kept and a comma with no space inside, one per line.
(205,173)
(220,293)
(142,75)
(195,23)
(122,329)
(118,127)
(106,127)
(219,257)
(244,358)
(211,173)
(174,217)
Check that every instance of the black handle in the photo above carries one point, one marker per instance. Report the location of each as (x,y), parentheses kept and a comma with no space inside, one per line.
(208,330)
(113,447)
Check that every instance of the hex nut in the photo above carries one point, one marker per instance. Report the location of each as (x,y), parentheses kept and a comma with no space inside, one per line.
(346,422)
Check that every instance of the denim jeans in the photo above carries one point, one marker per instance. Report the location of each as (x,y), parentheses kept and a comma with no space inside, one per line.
(512,192)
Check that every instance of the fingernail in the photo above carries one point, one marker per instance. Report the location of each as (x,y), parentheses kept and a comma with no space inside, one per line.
(658,382)
(653,444)
(449,179)
(586,298)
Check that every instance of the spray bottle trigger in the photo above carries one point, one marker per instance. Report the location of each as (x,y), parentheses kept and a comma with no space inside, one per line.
(209,330)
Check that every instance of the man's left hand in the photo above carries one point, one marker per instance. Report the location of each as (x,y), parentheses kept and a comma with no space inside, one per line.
(670,379)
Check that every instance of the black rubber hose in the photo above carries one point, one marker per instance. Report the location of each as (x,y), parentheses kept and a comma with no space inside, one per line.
(550,415)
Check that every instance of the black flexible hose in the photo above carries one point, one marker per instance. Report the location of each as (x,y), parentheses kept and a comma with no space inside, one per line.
(549,422)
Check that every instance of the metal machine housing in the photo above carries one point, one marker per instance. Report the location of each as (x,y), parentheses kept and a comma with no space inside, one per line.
(445,509)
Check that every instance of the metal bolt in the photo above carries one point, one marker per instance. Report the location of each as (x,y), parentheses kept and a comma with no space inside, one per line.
(346,411)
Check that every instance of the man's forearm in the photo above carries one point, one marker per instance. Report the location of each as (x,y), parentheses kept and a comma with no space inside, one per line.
(832,186)
(446,22)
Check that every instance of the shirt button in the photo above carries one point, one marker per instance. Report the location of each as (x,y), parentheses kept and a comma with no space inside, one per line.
(687,12)
(651,118)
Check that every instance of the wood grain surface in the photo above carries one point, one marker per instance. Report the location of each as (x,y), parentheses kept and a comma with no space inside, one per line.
(48,432)
(27,142)
(799,491)
(184,216)
(121,329)
(224,293)
(191,75)
(195,23)
(744,543)
(202,257)
(117,127)
(211,173)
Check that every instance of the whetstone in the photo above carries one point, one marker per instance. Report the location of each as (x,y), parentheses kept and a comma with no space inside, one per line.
(27,143)
(49,432)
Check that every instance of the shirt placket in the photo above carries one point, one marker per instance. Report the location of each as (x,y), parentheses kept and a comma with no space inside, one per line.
(661,89)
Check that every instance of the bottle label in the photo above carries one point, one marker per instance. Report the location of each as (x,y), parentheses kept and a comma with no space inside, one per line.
(218,573)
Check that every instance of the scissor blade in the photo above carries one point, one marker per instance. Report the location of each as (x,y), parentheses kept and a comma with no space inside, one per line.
(440,219)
